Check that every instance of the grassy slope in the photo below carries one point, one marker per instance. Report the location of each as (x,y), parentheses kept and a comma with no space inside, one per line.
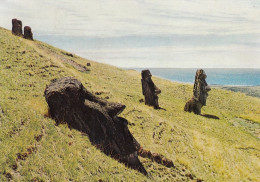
(208,148)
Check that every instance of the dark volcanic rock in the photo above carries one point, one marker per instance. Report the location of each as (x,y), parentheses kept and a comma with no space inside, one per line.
(200,93)
(17,27)
(69,54)
(158,158)
(69,102)
(28,33)
(150,91)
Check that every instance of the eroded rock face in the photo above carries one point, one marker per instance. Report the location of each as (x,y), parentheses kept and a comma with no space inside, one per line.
(150,91)
(17,27)
(69,102)
(28,33)
(200,93)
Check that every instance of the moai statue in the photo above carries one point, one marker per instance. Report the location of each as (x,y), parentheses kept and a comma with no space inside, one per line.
(70,102)
(17,27)
(28,33)
(200,93)
(150,91)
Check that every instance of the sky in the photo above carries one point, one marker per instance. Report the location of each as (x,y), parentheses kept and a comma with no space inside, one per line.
(146,33)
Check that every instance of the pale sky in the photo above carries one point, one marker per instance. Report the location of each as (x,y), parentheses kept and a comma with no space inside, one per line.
(146,33)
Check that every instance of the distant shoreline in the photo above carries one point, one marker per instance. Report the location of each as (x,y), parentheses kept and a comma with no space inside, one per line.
(250,90)
(239,77)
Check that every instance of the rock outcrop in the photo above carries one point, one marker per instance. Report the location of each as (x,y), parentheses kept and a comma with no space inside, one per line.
(150,91)
(69,102)
(28,33)
(17,27)
(200,93)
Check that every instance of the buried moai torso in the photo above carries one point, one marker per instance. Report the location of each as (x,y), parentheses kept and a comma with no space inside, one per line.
(200,93)
(28,33)
(150,91)
(69,102)
(17,27)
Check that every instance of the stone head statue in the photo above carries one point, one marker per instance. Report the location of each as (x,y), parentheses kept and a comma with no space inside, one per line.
(201,88)
(28,33)
(200,93)
(150,91)
(17,27)
(70,102)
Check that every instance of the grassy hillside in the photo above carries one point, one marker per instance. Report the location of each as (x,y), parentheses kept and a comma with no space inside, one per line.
(32,148)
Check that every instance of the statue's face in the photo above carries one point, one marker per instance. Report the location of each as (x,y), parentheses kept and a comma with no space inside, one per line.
(146,74)
(201,74)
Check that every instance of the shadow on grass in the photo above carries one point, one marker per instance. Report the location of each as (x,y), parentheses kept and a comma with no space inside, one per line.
(209,116)
(160,108)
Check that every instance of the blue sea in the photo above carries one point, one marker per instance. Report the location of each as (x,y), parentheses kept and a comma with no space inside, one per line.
(215,76)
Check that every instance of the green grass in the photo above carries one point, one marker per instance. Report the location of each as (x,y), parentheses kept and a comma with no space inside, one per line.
(210,149)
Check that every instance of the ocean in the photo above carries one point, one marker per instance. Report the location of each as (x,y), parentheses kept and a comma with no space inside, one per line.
(215,76)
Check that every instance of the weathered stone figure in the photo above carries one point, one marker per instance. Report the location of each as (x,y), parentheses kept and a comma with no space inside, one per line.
(150,91)
(17,27)
(200,93)
(69,102)
(28,33)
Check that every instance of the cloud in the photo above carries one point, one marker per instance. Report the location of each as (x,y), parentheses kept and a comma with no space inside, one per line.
(119,18)
(176,56)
